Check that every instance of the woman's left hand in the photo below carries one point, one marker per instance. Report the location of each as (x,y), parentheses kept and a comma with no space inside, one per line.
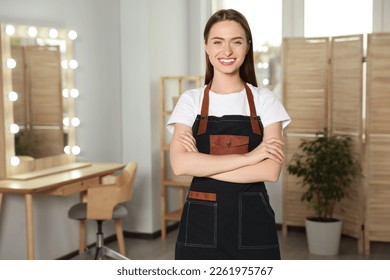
(188,141)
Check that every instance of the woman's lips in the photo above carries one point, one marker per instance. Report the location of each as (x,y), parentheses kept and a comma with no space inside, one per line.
(226,61)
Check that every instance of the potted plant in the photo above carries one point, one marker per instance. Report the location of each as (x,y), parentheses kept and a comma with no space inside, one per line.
(327,168)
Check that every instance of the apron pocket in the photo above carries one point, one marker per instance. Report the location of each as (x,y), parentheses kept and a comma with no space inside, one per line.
(198,226)
(257,228)
(228,144)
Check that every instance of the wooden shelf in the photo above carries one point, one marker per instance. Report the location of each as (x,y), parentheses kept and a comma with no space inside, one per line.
(178,184)
(174,215)
(166,108)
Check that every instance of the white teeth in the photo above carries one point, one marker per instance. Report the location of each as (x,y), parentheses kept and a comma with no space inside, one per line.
(226,60)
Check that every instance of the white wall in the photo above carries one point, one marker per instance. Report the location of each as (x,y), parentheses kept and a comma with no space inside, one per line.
(153,40)
(381,18)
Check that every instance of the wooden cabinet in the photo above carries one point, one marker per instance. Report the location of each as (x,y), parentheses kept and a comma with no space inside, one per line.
(171,87)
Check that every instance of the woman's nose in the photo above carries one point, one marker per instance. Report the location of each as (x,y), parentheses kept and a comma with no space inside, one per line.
(228,50)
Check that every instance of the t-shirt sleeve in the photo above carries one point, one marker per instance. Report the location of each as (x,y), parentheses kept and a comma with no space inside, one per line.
(271,109)
(184,112)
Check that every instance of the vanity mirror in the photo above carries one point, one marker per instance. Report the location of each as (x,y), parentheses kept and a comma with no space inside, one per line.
(37,126)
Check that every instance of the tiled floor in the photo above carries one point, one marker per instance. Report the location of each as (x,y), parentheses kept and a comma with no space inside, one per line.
(293,247)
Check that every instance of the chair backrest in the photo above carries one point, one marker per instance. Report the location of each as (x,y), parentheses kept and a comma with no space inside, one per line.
(126,181)
(102,199)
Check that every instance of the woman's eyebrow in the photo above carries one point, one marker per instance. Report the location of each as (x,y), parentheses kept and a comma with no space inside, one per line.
(220,38)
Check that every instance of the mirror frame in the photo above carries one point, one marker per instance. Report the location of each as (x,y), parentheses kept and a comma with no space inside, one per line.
(7,142)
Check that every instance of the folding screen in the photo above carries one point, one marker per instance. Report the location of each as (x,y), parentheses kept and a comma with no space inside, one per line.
(345,111)
(323,88)
(377,149)
(305,95)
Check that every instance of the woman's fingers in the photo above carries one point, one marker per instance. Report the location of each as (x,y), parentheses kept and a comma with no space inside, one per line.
(188,142)
(275,141)
(275,150)
(270,149)
(275,156)
(276,153)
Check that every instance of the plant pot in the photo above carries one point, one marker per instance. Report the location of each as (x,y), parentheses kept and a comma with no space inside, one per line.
(323,238)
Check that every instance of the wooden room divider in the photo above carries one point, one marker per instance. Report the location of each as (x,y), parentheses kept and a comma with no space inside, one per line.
(305,96)
(377,148)
(346,118)
(323,86)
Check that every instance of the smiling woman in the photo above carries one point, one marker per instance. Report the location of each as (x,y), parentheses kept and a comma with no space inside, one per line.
(227,135)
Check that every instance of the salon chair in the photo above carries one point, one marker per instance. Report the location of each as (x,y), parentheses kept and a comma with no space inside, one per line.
(103,203)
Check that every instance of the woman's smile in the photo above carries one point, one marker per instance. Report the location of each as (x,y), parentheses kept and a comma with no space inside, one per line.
(227,61)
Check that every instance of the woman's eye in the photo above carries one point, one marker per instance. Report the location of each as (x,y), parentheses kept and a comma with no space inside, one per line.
(217,42)
(238,43)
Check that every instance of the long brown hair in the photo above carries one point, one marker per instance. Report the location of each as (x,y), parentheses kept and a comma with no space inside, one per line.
(247,69)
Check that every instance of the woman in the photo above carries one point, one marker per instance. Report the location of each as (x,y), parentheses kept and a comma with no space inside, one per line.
(228,135)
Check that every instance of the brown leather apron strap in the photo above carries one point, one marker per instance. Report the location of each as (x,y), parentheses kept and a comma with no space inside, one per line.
(205,111)
(202,196)
(254,122)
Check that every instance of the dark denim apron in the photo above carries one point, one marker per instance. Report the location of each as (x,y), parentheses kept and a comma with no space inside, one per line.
(223,220)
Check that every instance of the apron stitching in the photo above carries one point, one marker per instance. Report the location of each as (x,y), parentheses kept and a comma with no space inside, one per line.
(188,214)
(215,224)
(240,245)
(190,244)
(266,205)
(239,222)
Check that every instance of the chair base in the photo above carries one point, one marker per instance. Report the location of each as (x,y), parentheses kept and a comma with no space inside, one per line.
(102,253)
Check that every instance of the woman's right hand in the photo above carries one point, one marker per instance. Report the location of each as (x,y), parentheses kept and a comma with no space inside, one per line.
(188,141)
(268,149)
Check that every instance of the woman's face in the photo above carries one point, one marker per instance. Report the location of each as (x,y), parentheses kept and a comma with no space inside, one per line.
(226,47)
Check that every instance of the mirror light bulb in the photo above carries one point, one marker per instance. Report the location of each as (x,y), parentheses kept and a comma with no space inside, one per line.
(74,92)
(10,30)
(72,34)
(11,63)
(15,161)
(73,64)
(32,31)
(66,121)
(53,33)
(76,150)
(75,121)
(64,64)
(14,128)
(65,93)
(67,150)
(12,96)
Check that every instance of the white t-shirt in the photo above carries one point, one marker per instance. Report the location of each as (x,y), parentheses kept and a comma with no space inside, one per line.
(268,106)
